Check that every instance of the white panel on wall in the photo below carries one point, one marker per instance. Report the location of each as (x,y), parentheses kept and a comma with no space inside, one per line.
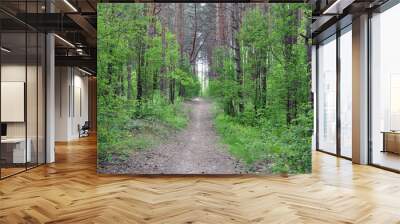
(71,102)
(12,101)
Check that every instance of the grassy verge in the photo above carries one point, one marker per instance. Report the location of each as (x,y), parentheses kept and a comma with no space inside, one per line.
(146,128)
(264,148)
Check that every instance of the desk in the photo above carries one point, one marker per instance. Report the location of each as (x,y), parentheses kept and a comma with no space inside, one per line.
(391,141)
(15,148)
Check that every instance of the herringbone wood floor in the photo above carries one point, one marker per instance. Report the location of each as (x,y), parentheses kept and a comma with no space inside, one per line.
(70,191)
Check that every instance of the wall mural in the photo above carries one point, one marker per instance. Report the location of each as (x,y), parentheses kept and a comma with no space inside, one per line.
(204,88)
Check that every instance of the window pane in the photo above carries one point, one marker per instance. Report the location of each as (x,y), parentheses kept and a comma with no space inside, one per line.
(41,99)
(31,97)
(15,151)
(346,93)
(327,96)
(385,93)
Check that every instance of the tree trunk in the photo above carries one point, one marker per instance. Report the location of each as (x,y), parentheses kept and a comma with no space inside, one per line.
(172,91)
(264,71)
(139,87)
(129,80)
(290,40)
(266,59)
(237,57)
(179,33)
(152,24)
(179,29)
(220,25)
(152,33)
(163,69)
(181,90)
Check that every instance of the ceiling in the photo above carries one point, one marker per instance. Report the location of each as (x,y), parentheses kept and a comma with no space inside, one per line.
(73,21)
(330,13)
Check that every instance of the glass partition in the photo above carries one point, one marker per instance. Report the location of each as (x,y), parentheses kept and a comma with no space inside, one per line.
(41,96)
(346,92)
(13,94)
(385,89)
(22,88)
(327,95)
(32,95)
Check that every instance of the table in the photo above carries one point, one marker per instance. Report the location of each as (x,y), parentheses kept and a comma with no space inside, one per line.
(13,150)
(391,141)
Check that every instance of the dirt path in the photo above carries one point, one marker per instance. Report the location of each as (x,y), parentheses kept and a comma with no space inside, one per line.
(195,150)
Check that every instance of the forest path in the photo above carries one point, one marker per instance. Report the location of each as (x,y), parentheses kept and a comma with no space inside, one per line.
(194,150)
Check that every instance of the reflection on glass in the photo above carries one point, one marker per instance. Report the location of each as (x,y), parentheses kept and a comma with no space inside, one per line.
(14,153)
(385,92)
(346,93)
(22,91)
(41,99)
(394,102)
(327,96)
(31,101)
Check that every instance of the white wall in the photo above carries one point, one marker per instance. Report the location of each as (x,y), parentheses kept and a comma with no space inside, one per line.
(62,82)
(9,73)
(17,73)
(79,117)
(70,83)
(33,126)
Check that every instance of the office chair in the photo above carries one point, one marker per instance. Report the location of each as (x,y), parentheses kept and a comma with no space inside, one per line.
(84,130)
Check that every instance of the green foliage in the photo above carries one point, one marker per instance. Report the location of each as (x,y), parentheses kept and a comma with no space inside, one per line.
(160,110)
(275,126)
(134,112)
(281,150)
(125,131)
(244,142)
(262,87)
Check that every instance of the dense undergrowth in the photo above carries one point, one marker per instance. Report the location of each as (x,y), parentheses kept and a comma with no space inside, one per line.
(142,129)
(265,146)
(263,90)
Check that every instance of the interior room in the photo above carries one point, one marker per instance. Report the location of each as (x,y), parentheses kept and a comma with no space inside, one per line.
(75,74)
(385,89)
(29,57)
(22,99)
(48,119)
(72,103)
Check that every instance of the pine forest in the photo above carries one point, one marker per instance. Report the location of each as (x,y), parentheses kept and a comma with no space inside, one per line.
(204,88)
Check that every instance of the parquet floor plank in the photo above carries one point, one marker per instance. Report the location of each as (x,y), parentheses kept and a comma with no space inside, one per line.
(70,191)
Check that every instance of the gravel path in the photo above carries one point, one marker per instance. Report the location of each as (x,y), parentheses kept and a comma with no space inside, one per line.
(194,150)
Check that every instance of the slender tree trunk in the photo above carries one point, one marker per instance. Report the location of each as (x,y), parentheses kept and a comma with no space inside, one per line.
(109,68)
(179,29)
(121,90)
(152,24)
(139,87)
(172,91)
(220,25)
(237,56)
(179,32)
(266,62)
(163,70)
(152,33)
(290,41)
(129,80)
(181,90)
(264,70)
